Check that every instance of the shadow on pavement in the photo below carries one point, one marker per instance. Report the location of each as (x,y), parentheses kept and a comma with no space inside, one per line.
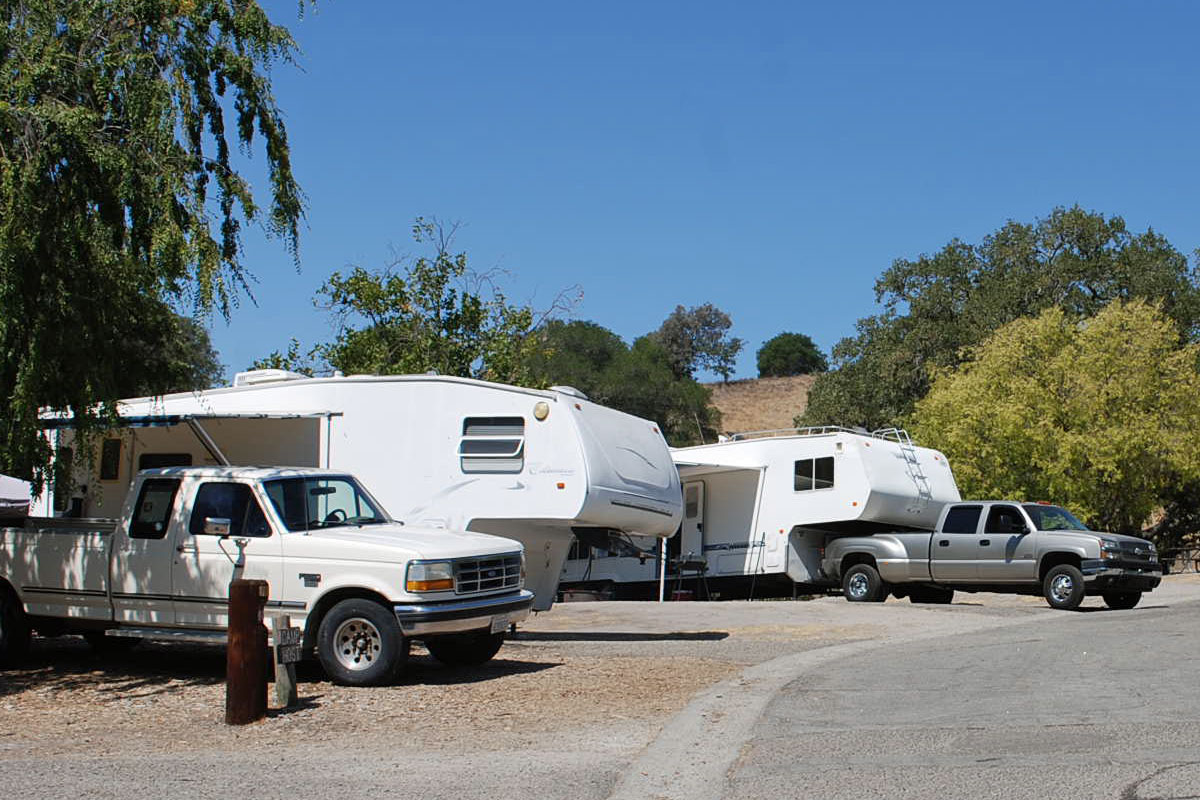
(616,636)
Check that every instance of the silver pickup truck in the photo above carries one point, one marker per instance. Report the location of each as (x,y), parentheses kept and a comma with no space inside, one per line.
(989,546)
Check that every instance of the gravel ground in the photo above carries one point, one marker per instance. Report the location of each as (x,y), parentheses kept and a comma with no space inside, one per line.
(582,689)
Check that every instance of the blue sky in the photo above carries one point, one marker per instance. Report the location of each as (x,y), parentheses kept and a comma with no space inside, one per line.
(770,158)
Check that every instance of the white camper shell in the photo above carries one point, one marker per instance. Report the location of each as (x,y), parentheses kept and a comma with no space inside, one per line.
(438,451)
(759,506)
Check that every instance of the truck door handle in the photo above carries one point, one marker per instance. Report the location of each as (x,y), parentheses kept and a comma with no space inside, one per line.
(944,543)
(983,542)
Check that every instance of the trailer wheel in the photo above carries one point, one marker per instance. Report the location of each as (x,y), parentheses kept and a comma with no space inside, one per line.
(862,584)
(464,649)
(14,629)
(359,643)
(1122,600)
(1063,587)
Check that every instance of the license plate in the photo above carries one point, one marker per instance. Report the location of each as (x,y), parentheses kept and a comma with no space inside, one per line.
(500,623)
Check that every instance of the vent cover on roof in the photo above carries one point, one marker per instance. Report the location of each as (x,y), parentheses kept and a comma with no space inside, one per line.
(259,376)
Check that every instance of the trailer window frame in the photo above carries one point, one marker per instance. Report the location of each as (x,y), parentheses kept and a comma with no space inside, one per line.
(813,474)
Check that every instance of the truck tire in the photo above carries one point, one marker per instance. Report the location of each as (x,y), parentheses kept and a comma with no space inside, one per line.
(1122,600)
(14,629)
(359,643)
(862,584)
(931,594)
(1063,587)
(464,649)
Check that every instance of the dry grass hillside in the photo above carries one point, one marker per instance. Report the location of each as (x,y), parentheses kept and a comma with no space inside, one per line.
(761,404)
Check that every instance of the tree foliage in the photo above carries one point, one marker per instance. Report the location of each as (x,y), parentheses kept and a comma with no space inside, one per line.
(697,338)
(429,313)
(1096,414)
(790,354)
(119,193)
(937,305)
(638,379)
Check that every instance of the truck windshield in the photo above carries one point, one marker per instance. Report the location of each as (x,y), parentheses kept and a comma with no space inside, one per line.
(325,502)
(1053,518)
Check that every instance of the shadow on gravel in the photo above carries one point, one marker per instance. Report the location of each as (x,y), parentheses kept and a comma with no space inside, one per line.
(570,636)
(67,663)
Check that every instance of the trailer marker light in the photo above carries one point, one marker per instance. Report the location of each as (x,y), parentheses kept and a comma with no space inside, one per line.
(562,485)
(541,410)
(854,503)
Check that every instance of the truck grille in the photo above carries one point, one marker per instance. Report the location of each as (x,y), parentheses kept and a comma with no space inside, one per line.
(473,575)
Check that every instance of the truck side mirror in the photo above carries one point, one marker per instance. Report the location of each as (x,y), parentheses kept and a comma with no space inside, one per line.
(217,526)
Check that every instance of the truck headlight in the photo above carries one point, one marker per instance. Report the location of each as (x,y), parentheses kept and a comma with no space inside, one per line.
(1109,549)
(429,576)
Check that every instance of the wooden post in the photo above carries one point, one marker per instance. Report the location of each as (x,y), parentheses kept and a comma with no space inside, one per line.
(246,653)
(286,695)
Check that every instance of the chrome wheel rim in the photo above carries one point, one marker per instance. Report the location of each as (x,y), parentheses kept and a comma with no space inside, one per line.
(357,643)
(1061,588)
(858,586)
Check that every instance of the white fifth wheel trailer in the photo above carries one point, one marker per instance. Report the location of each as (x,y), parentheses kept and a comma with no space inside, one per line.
(531,465)
(759,506)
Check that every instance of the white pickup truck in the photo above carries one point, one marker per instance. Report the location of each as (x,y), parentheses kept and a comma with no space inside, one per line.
(360,584)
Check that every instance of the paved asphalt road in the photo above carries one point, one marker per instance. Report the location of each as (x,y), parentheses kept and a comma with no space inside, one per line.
(993,697)
(1096,705)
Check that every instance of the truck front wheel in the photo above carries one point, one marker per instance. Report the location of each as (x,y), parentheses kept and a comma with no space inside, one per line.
(862,584)
(14,630)
(1122,600)
(1063,587)
(464,649)
(360,643)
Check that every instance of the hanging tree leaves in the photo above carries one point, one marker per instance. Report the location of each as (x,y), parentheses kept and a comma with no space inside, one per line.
(119,189)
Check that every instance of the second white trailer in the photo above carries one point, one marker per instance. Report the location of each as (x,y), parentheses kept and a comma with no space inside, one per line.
(758,508)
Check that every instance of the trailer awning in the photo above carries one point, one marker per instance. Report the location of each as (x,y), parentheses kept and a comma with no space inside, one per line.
(168,420)
(693,469)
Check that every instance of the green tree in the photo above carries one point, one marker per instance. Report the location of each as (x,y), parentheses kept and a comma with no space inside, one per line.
(1096,414)
(790,354)
(638,380)
(175,355)
(697,338)
(430,313)
(937,305)
(118,191)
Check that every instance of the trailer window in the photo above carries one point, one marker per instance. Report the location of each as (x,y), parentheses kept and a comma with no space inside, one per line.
(492,444)
(813,473)
(110,459)
(152,513)
(232,501)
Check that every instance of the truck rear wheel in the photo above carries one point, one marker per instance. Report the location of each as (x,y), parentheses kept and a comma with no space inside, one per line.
(1122,600)
(1063,587)
(862,584)
(464,649)
(14,629)
(360,643)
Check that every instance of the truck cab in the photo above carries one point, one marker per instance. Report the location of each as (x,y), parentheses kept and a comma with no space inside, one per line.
(360,584)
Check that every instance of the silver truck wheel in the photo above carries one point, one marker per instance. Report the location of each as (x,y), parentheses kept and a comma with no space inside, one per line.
(862,584)
(359,643)
(1063,587)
